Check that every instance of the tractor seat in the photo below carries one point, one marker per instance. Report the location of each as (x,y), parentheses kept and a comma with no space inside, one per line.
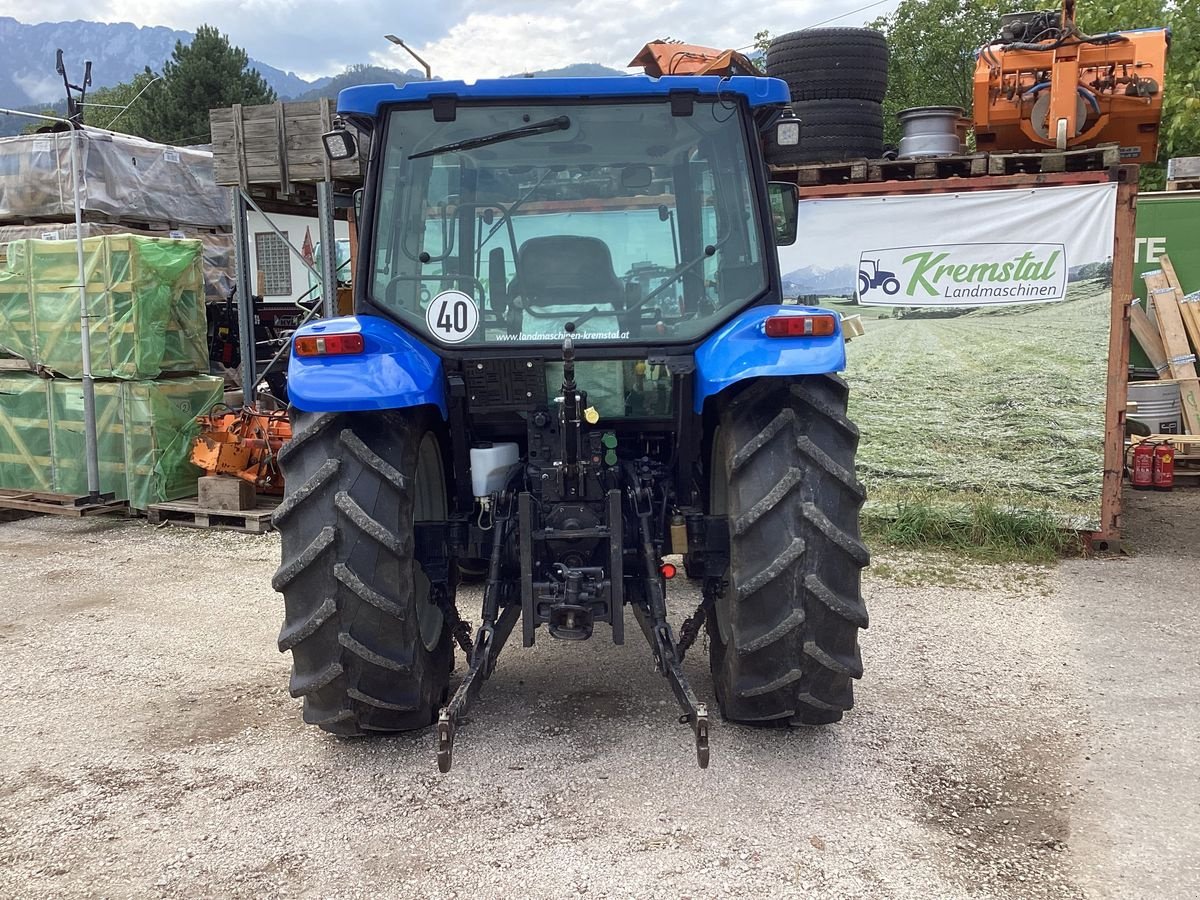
(565,270)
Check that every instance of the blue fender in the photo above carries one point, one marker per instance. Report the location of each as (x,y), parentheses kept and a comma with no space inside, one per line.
(394,371)
(741,350)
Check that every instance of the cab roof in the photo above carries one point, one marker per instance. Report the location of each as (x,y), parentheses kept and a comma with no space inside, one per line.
(369,99)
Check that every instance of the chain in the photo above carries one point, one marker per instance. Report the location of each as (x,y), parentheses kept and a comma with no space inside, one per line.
(460,630)
(690,630)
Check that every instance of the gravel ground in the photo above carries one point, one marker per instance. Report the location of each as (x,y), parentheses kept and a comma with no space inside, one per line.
(1021,732)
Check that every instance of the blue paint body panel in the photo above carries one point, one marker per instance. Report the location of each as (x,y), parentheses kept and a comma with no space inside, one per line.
(740,349)
(394,371)
(369,99)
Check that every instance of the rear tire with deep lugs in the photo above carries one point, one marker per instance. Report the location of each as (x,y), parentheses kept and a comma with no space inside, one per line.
(784,636)
(370,652)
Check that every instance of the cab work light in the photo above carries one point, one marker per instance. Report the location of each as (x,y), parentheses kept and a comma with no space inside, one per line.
(800,326)
(329,345)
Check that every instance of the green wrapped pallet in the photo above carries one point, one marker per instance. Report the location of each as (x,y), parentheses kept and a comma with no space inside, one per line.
(144,433)
(145,298)
(25,461)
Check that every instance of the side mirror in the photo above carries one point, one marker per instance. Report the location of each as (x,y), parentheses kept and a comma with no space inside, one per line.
(339,144)
(784,211)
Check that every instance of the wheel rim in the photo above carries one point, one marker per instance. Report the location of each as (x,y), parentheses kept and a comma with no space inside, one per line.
(429,505)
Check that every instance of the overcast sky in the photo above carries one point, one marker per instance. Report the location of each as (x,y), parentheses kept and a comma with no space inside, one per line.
(459,38)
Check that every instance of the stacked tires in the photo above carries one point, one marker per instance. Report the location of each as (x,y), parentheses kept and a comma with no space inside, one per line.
(837,78)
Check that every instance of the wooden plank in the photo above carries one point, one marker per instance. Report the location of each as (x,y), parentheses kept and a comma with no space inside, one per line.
(1108,535)
(285,185)
(1181,362)
(949,185)
(1188,309)
(57,504)
(1148,337)
(239,146)
(1055,161)
(189,514)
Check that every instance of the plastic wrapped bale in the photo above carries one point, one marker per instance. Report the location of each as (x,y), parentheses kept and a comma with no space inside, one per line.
(145,431)
(145,299)
(25,459)
(16,311)
(122,178)
(216,264)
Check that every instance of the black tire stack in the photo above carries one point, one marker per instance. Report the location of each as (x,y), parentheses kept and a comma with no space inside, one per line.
(837,78)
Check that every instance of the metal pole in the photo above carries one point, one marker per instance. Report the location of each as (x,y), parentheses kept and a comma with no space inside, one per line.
(89,388)
(413,53)
(245,298)
(328,238)
(85,338)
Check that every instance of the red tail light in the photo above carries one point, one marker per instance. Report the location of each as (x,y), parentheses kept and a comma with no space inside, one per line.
(800,326)
(668,570)
(328,345)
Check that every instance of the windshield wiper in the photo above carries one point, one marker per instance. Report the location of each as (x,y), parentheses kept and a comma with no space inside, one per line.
(559,123)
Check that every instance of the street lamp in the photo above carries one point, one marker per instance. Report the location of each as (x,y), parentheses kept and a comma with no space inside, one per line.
(413,53)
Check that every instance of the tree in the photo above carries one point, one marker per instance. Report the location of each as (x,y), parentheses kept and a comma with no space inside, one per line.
(115,107)
(931,49)
(207,74)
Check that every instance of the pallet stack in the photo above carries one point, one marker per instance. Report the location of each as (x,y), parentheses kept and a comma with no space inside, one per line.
(1183,173)
(126,186)
(148,352)
(1172,341)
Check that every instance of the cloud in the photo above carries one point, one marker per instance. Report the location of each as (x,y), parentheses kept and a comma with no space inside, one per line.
(459,38)
(543,36)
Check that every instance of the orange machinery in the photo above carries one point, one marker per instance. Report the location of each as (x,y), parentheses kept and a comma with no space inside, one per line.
(245,444)
(1044,83)
(668,57)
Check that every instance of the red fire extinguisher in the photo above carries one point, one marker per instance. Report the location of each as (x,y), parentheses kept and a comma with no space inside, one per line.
(1164,466)
(1141,473)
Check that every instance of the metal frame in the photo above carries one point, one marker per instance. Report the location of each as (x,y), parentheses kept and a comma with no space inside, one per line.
(242,204)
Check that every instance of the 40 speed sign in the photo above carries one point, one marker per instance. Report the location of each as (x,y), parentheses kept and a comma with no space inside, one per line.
(452,317)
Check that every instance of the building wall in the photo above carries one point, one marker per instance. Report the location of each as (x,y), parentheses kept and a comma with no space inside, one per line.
(273,264)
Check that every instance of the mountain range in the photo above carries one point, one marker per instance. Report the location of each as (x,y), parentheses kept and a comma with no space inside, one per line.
(119,51)
(836,282)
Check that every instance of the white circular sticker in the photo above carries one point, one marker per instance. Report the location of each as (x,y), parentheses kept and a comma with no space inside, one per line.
(452,316)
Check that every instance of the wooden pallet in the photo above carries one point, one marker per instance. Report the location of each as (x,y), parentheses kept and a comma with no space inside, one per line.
(851,171)
(964,166)
(1188,184)
(1084,159)
(59,504)
(189,514)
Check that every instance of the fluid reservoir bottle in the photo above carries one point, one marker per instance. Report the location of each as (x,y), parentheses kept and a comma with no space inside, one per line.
(679,540)
(489,464)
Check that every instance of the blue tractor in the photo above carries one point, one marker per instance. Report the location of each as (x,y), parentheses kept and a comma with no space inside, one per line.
(570,358)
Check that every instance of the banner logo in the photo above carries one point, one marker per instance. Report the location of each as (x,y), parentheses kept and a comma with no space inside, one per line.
(962,275)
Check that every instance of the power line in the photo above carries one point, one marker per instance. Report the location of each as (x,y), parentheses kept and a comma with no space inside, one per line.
(843,15)
(834,18)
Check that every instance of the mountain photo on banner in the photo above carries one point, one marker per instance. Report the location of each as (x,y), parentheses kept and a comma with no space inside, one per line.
(980,378)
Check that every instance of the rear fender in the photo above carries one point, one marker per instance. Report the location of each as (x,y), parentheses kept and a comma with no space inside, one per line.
(741,350)
(394,371)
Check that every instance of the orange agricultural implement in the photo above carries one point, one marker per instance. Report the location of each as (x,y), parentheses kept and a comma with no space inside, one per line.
(667,57)
(245,444)
(1044,83)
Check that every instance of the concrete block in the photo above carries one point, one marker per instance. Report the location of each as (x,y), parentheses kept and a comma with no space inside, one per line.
(225,492)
